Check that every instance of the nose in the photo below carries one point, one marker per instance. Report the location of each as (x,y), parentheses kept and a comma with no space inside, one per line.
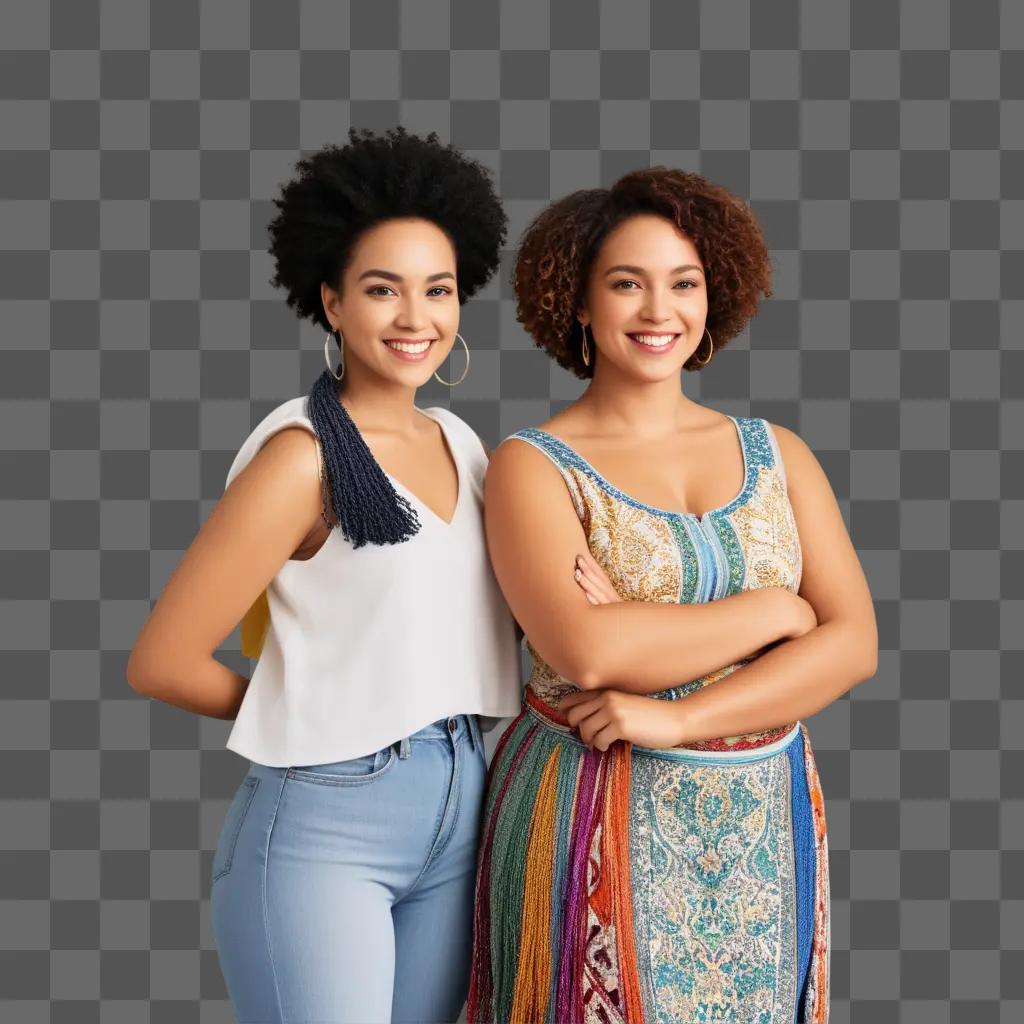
(411,314)
(655,307)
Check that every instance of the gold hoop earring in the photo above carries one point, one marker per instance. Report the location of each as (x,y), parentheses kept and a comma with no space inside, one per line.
(451,384)
(585,347)
(327,355)
(710,352)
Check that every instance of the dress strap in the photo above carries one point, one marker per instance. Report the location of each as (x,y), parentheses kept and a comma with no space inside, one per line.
(773,453)
(558,452)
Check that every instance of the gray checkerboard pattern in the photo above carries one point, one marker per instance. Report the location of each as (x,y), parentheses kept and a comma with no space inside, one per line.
(882,146)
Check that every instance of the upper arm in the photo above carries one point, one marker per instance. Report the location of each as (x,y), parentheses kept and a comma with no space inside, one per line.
(259,522)
(534,536)
(832,581)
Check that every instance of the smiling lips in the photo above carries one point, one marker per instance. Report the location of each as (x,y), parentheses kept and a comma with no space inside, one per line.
(410,350)
(654,344)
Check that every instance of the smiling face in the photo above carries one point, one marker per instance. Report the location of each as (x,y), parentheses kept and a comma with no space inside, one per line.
(646,300)
(397,306)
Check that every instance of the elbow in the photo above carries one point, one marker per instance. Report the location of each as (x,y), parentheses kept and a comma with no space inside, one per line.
(866,648)
(143,675)
(598,661)
(580,652)
(869,669)
(588,678)
(583,665)
(573,663)
(136,674)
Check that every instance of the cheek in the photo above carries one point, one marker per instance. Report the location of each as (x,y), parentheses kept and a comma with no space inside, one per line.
(609,309)
(365,318)
(446,316)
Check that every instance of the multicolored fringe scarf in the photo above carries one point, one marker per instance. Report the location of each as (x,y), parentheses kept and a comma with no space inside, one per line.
(554,925)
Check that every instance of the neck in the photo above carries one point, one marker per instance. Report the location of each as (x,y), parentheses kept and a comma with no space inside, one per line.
(642,409)
(378,405)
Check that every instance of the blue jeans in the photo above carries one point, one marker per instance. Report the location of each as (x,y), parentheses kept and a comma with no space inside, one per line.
(344,892)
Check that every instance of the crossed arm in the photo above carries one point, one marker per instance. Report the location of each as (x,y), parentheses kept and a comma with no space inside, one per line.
(618,652)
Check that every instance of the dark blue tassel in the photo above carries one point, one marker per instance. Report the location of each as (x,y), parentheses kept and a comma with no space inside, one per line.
(366,506)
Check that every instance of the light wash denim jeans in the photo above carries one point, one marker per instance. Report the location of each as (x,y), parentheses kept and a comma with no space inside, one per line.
(344,892)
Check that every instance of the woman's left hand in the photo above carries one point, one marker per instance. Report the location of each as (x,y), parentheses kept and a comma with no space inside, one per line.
(604,716)
(593,580)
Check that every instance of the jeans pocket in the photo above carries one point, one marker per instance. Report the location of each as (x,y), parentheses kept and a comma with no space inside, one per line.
(232,826)
(356,771)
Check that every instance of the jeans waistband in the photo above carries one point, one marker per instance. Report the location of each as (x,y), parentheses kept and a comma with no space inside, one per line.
(453,727)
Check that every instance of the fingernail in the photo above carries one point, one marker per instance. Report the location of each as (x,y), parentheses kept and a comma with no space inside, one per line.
(577,574)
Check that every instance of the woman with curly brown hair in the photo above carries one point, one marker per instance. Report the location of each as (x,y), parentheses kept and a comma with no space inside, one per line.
(654,845)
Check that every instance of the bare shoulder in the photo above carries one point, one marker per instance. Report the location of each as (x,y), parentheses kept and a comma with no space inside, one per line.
(284,473)
(291,455)
(785,436)
(514,458)
(520,471)
(800,463)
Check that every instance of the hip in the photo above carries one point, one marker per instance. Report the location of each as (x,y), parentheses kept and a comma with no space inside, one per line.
(392,810)
(702,791)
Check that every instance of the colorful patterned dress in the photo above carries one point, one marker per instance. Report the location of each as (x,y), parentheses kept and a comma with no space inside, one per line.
(638,885)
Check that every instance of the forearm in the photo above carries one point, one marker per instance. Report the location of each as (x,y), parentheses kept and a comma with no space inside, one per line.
(643,647)
(206,688)
(795,680)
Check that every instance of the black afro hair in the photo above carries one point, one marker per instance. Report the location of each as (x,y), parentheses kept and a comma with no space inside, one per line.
(342,191)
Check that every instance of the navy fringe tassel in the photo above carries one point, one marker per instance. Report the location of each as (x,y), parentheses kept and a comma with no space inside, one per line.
(366,505)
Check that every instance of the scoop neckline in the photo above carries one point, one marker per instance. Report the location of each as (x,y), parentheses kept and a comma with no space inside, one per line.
(616,492)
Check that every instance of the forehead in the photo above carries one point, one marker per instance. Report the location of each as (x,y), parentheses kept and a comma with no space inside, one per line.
(648,240)
(408,242)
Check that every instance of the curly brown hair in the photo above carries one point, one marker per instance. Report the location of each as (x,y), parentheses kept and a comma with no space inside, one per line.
(559,247)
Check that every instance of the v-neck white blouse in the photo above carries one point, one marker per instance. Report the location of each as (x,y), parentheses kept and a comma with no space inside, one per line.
(366,646)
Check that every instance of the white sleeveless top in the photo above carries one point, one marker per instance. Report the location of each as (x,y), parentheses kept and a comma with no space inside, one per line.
(366,646)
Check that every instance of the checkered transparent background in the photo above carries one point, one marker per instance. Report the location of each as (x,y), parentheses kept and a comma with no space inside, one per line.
(882,146)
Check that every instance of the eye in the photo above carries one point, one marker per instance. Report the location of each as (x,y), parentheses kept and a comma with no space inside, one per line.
(689,284)
(439,289)
(377,289)
(619,284)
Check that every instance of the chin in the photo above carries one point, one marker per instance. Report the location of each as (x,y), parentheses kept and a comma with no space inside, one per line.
(415,378)
(653,374)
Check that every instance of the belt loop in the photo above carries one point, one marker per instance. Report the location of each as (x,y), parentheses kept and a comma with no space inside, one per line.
(473,726)
(404,748)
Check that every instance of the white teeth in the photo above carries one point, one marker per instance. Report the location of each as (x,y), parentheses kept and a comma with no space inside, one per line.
(653,340)
(404,346)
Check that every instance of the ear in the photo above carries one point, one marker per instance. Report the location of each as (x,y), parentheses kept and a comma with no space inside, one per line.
(330,299)
(583,316)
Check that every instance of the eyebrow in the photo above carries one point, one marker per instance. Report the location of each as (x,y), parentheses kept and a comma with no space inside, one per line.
(640,270)
(397,278)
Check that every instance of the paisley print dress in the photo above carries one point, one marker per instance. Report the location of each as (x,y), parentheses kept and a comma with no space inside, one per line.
(640,885)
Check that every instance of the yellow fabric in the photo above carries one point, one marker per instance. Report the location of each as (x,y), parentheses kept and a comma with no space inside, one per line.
(533,977)
(254,627)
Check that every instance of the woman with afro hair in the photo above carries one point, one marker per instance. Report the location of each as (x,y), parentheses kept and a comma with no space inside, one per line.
(654,838)
(350,543)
